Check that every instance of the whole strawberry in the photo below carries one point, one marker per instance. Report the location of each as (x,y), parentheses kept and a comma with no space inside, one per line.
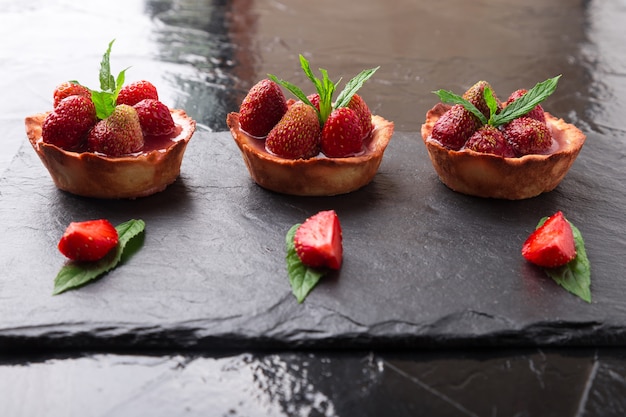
(528,136)
(297,134)
(339,140)
(454,127)
(536,113)
(89,240)
(67,89)
(68,124)
(155,117)
(524,133)
(476,95)
(363,112)
(262,108)
(342,134)
(117,135)
(489,139)
(134,92)
(315,100)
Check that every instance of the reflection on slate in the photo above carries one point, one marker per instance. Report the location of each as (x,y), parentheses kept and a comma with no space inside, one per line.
(471,383)
(423,266)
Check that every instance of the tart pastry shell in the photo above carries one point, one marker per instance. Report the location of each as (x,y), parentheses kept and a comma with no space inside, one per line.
(126,177)
(317,176)
(492,176)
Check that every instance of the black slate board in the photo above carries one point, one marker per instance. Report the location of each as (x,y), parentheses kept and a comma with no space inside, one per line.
(423,267)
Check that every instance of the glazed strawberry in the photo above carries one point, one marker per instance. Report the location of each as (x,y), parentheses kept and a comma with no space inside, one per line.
(315,100)
(342,134)
(68,124)
(319,242)
(324,107)
(90,240)
(262,108)
(552,244)
(119,134)
(528,136)
(297,134)
(536,113)
(155,117)
(454,127)
(134,92)
(475,95)
(489,139)
(363,111)
(68,89)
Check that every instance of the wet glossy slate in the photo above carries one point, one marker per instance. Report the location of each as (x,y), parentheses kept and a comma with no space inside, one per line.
(424,266)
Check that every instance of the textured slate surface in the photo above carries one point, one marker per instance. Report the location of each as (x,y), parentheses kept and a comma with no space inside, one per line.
(423,266)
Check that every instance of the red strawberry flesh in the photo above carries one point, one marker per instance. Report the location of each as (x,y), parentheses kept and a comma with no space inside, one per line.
(90,240)
(319,241)
(552,244)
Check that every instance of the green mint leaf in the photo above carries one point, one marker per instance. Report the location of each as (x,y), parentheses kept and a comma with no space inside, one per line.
(107,81)
(302,278)
(324,87)
(527,102)
(106,99)
(105,102)
(326,95)
(76,274)
(574,276)
(491,101)
(450,98)
(353,86)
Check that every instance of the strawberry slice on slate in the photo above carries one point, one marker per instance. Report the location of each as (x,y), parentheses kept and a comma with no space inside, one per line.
(89,240)
(551,244)
(318,241)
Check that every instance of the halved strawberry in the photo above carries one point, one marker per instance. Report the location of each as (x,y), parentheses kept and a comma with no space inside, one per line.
(262,108)
(90,240)
(552,244)
(319,241)
(67,89)
(342,134)
(134,92)
(297,134)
